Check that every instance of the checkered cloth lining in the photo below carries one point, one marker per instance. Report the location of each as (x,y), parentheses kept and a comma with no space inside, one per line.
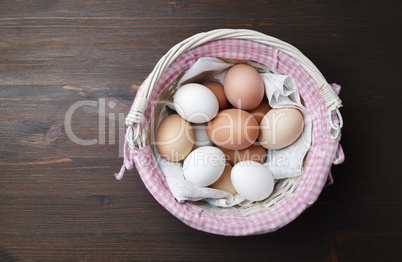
(323,153)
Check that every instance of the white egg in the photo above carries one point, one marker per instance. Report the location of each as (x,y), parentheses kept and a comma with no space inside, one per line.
(196,103)
(204,165)
(252,180)
(200,136)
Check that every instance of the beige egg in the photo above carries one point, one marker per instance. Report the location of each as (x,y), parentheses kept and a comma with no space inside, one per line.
(174,138)
(218,91)
(224,182)
(233,129)
(280,127)
(261,110)
(244,87)
(255,153)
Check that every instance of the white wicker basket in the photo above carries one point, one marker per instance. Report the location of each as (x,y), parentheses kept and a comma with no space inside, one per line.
(292,195)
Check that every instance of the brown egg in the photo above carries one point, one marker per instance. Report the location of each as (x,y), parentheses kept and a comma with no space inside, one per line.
(174,138)
(233,129)
(261,110)
(218,91)
(280,127)
(253,153)
(224,182)
(244,87)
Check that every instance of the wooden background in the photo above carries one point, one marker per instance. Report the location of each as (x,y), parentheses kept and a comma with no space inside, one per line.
(59,200)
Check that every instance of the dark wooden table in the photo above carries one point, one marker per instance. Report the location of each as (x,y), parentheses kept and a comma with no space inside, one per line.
(60,201)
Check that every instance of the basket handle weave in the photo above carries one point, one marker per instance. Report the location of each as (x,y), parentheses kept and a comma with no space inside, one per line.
(136,136)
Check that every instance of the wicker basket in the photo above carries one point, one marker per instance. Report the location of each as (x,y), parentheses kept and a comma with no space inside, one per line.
(292,195)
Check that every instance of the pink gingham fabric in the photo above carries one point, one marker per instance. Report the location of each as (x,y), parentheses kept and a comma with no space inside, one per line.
(324,151)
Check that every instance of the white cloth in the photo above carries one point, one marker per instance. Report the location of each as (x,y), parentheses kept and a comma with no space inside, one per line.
(281,91)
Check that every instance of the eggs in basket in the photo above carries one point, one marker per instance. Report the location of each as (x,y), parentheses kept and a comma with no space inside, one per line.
(222,133)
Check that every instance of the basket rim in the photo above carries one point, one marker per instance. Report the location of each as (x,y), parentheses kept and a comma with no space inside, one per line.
(136,113)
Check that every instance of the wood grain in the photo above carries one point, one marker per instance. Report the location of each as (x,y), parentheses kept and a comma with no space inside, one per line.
(59,200)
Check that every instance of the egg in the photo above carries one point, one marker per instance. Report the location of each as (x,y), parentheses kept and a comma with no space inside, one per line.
(224,182)
(261,110)
(233,129)
(200,136)
(174,138)
(195,103)
(280,127)
(204,165)
(244,87)
(255,153)
(252,180)
(218,91)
